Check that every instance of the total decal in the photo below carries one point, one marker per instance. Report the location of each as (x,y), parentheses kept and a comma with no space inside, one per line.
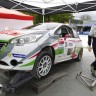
(69,44)
(69,47)
(19,55)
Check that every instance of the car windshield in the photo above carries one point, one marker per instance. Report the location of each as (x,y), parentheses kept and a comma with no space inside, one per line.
(42,26)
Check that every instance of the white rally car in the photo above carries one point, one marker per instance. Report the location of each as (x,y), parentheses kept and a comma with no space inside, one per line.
(37,48)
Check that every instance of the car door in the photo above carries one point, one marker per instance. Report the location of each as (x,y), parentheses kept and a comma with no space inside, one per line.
(65,46)
(60,49)
(71,43)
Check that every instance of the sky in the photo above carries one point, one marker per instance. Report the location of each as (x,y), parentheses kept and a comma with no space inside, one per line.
(92,14)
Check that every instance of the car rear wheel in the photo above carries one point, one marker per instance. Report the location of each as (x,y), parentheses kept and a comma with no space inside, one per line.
(43,64)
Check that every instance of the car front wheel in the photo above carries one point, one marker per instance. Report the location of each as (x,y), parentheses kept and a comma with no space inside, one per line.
(43,64)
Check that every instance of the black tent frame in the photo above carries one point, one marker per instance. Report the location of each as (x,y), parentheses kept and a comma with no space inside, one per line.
(67,8)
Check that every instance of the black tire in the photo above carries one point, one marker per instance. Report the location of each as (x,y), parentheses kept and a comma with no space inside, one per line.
(36,70)
(80,55)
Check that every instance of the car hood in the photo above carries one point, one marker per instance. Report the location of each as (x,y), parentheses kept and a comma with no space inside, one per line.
(7,35)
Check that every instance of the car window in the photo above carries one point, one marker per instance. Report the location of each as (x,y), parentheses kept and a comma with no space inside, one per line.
(58,31)
(64,31)
(75,34)
(61,31)
(70,31)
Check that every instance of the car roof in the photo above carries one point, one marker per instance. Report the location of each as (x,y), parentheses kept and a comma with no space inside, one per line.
(54,23)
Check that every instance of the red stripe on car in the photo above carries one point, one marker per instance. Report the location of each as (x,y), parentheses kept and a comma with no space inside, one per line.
(34,55)
(55,45)
(60,41)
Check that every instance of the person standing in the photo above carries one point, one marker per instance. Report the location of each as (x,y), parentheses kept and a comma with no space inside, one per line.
(92,40)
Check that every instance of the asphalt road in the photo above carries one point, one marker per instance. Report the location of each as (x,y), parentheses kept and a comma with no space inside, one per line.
(66,86)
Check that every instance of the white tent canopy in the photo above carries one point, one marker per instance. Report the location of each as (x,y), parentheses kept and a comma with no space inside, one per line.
(49,3)
(44,7)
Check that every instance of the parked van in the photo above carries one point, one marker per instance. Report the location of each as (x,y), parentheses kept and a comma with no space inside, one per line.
(84,29)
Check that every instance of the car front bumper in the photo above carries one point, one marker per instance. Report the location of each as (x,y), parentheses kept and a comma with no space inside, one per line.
(19,57)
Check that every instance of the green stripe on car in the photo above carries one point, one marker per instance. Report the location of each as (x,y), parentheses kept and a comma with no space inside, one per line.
(28,64)
(4,41)
(59,51)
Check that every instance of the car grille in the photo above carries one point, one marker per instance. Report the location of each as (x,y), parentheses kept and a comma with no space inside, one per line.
(2,44)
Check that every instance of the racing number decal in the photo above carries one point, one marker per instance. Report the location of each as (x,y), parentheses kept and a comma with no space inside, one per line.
(65,44)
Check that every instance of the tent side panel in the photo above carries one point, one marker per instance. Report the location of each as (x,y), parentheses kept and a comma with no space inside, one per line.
(14,24)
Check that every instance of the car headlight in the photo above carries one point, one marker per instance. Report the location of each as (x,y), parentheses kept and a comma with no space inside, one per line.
(25,39)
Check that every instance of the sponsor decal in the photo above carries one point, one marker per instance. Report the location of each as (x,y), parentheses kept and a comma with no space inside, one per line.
(75,40)
(9,54)
(18,55)
(69,51)
(65,44)
(60,49)
(70,44)
(10,32)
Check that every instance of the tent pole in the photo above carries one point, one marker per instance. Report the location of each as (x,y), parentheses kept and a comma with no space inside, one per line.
(43,18)
(43,13)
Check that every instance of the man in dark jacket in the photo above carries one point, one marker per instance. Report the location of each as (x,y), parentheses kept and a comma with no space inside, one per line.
(92,39)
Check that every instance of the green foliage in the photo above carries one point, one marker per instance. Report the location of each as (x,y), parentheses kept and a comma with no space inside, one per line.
(62,18)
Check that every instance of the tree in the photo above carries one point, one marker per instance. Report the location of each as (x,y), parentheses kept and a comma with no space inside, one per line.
(62,18)
(85,17)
